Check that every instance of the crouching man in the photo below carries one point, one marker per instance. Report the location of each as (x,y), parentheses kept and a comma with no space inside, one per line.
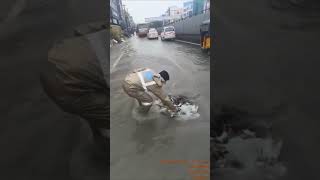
(139,83)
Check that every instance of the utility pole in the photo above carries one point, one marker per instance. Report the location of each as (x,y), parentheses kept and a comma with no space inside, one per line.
(125,16)
(127,20)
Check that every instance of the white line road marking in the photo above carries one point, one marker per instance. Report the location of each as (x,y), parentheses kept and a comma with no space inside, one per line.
(176,64)
(122,47)
(119,58)
(116,62)
(188,42)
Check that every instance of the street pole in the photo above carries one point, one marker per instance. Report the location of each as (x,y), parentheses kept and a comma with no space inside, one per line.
(125,17)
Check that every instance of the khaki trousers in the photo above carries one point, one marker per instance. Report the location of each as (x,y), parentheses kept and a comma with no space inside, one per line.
(145,100)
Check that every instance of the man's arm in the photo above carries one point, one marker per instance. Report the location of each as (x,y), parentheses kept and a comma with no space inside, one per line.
(139,69)
(157,91)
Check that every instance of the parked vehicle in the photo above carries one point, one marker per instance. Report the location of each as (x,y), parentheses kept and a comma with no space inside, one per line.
(168,33)
(142,29)
(152,34)
(205,38)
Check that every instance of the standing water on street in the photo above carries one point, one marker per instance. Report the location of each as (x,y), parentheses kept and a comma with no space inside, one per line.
(139,142)
(160,95)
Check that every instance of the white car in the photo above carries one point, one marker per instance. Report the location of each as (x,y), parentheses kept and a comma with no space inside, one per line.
(152,34)
(168,32)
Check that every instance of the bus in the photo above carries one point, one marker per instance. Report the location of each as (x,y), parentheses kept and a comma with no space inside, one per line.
(158,25)
(142,29)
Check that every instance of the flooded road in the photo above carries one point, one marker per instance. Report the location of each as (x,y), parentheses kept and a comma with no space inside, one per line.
(138,149)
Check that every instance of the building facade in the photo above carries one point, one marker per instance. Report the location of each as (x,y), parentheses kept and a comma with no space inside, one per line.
(122,15)
(160,18)
(119,16)
(128,20)
(131,21)
(173,12)
(187,9)
(114,12)
(198,6)
(206,6)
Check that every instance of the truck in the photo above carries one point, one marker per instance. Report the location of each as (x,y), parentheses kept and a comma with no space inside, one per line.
(142,29)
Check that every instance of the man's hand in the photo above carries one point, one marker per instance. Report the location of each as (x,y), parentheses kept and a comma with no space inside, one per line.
(176,109)
(174,112)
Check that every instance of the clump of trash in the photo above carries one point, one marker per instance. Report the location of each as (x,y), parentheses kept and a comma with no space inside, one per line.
(114,42)
(188,110)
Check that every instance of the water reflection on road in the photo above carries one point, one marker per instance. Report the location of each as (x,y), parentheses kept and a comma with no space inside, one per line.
(137,149)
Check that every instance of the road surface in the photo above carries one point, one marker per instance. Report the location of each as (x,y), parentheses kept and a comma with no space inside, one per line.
(137,150)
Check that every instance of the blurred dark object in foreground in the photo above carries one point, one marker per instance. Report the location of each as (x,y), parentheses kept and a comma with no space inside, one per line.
(267,56)
(38,139)
(242,142)
(76,82)
(302,4)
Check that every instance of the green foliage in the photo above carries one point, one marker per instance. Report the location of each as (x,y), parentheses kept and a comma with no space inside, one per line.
(116,33)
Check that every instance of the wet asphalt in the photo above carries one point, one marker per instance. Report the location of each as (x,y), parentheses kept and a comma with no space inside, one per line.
(138,149)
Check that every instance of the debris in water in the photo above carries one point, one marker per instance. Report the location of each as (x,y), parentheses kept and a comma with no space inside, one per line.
(187,109)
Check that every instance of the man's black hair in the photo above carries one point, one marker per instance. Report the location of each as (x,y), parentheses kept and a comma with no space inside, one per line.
(165,75)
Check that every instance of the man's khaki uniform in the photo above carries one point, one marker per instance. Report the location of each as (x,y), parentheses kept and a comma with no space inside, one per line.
(140,82)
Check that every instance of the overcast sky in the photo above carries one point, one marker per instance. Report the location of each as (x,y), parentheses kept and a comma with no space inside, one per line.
(140,9)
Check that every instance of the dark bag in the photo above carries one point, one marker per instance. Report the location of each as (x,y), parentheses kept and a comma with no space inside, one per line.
(74,77)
